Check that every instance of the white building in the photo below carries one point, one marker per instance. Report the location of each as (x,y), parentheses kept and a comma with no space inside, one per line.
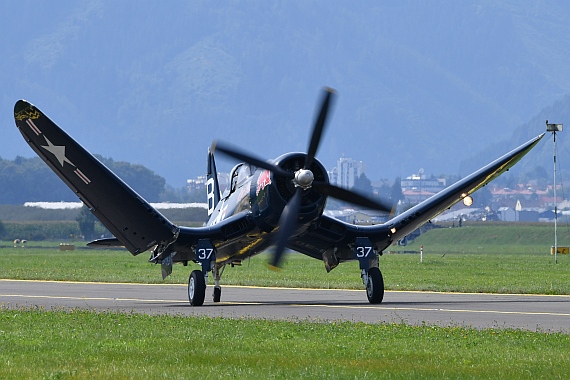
(418,187)
(199,183)
(421,182)
(346,172)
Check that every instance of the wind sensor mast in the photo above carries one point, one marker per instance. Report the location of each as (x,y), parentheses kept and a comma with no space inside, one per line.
(555,128)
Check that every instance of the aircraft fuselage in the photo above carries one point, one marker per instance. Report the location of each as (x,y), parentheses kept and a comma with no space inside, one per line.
(265,195)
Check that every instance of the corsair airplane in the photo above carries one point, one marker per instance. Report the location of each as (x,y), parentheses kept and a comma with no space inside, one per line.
(269,205)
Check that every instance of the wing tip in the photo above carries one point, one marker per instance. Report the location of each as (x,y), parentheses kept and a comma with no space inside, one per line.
(21,105)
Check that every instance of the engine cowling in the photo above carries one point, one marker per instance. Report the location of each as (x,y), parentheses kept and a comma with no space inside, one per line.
(272,195)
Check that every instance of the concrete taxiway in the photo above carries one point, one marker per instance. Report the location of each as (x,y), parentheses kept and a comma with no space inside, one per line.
(529,312)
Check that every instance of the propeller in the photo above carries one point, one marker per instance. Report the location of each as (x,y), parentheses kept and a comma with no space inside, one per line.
(303,179)
(319,126)
(287,223)
(250,159)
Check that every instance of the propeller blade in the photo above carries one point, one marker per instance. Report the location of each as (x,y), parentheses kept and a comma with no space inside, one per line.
(246,157)
(319,127)
(350,196)
(287,223)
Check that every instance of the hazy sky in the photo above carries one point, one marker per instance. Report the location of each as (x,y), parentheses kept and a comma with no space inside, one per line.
(420,84)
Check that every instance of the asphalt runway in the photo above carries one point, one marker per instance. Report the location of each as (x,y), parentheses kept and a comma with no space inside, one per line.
(528,312)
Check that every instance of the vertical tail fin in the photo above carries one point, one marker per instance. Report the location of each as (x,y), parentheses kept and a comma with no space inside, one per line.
(212,186)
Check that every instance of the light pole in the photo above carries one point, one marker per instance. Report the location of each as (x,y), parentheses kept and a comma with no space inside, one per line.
(555,128)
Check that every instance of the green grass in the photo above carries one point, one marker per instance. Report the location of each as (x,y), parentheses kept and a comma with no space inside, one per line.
(494,238)
(505,272)
(78,344)
(75,344)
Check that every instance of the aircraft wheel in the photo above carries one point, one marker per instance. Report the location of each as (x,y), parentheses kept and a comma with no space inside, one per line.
(217,294)
(375,285)
(196,288)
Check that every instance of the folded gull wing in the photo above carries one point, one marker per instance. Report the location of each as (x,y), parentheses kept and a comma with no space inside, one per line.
(332,235)
(438,203)
(133,221)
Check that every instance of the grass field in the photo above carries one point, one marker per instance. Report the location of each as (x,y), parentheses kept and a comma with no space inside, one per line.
(76,344)
(482,262)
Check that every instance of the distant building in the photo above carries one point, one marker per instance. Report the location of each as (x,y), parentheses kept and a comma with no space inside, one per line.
(359,217)
(199,183)
(507,214)
(416,196)
(550,202)
(519,191)
(418,187)
(528,216)
(346,172)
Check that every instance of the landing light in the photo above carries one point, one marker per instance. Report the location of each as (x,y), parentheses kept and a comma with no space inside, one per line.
(467,201)
(393,230)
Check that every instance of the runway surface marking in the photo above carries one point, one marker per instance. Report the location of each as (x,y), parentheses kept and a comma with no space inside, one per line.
(290,288)
(370,307)
(91,298)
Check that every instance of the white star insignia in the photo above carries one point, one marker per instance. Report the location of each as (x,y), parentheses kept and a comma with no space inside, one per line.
(58,151)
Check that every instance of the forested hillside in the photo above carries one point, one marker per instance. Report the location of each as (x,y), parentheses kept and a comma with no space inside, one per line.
(31,180)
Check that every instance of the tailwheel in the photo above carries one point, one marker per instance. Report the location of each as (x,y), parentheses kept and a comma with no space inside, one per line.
(196,288)
(217,270)
(217,294)
(375,285)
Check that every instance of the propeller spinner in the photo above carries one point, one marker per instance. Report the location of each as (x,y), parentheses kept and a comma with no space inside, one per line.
(303,179)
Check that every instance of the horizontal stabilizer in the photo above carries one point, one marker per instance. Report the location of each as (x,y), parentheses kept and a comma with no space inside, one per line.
(108,242)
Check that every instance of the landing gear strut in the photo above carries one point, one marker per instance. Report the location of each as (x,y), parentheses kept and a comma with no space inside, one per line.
(371,276)
(218,271)
(206,256)
(197,286)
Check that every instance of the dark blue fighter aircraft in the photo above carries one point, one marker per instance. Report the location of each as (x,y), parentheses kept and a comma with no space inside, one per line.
(277,203)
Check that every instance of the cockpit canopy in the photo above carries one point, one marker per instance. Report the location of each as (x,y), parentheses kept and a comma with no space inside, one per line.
(239,174)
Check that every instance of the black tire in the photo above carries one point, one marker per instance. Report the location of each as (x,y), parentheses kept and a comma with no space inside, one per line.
(375,286)
(196,288)
(217,294)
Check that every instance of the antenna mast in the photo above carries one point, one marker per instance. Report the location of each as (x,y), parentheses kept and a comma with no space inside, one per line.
(555,128)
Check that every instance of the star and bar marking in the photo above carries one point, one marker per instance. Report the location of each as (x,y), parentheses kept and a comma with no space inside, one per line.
(58,151)
(33,127)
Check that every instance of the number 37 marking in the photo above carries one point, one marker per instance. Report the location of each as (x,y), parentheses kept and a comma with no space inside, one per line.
(363,251)
(205,253)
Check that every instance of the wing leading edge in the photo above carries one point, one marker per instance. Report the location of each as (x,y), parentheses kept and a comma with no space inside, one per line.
(332,234)
(408,221)
(133,221)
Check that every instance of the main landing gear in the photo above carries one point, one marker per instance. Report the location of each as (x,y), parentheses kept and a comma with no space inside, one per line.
(374,285)
(206,256)
(196,288)
(197,283)
(371,275)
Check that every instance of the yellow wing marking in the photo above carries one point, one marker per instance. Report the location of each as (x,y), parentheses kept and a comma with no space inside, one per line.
(27,113)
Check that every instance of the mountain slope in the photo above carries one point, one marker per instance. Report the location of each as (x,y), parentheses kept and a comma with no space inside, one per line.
(420,84)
